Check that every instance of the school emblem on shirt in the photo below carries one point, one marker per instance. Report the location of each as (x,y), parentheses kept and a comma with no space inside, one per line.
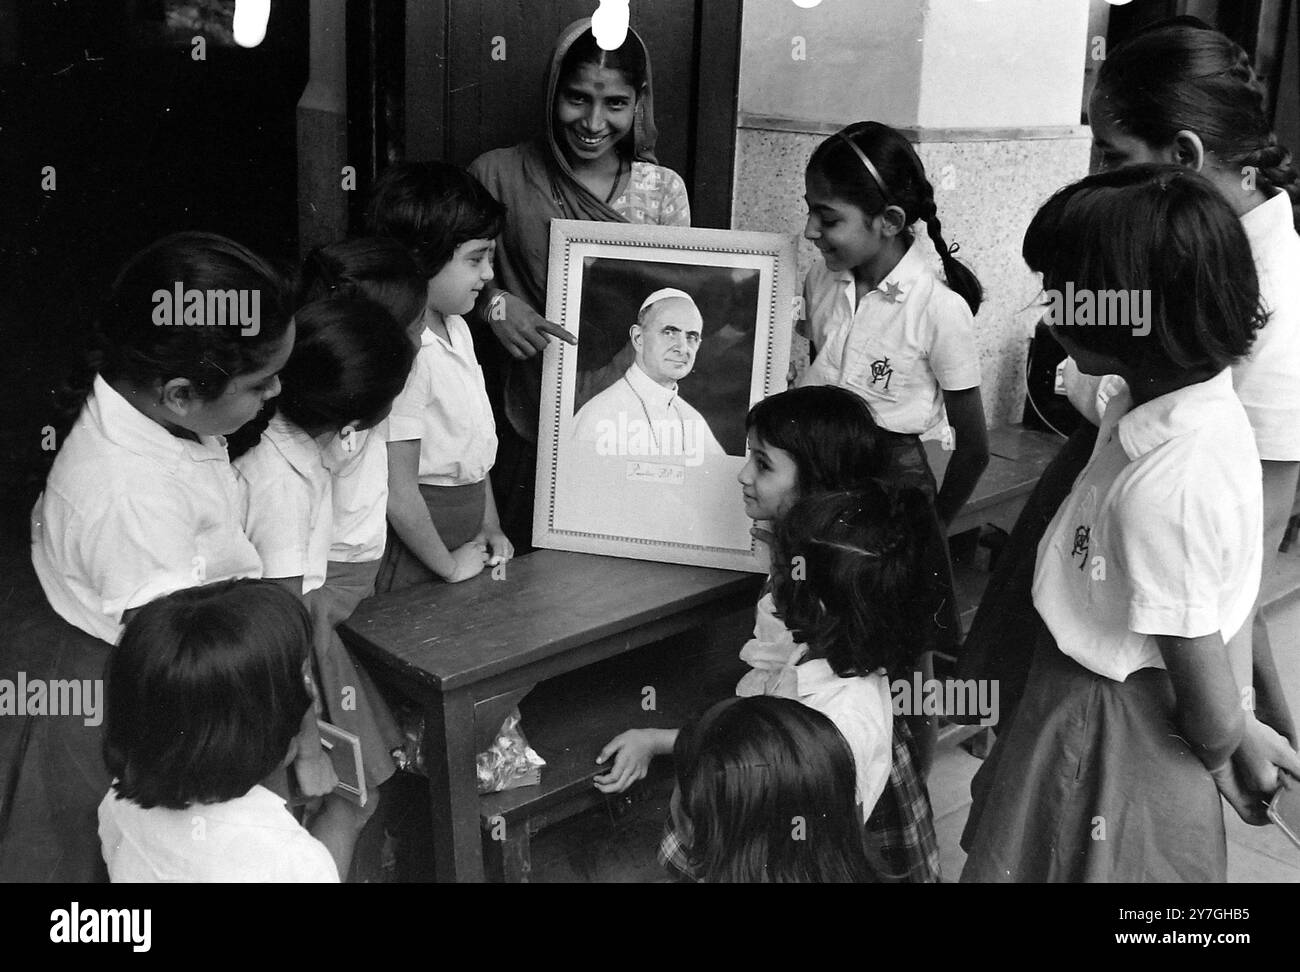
(1081,536)
(880,371)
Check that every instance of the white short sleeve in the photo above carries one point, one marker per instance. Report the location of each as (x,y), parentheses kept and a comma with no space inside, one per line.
(1170,556)
(954,357)
(408,418)
(143,549)
(278,515)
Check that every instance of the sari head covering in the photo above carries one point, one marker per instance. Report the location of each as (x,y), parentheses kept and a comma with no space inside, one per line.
(536,184)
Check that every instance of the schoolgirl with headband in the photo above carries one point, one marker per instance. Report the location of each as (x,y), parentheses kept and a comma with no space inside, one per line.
(880,322)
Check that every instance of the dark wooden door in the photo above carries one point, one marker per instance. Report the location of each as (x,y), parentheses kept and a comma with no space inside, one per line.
(460,101)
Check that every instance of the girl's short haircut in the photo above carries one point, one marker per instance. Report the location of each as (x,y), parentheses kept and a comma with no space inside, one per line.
(205,693)
(847,578)
(828,432)
(1182,75)
(905,186)
(628,60)
(1164,237)
(748,771)
(350,360)
(132,346)
(374,267)
(431,208)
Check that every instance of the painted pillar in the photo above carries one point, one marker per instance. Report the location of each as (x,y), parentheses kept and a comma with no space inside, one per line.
(322,131)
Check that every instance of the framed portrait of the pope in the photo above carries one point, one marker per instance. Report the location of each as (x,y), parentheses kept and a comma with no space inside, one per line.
(642,431)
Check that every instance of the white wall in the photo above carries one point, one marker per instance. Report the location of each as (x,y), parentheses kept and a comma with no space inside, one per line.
(863,60)
(1002,63)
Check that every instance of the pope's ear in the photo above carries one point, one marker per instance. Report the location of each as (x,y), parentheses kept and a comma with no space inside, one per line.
(178,396)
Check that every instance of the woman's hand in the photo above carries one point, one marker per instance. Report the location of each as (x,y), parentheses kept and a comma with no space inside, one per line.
(632,752)
(520,329)
(467,561)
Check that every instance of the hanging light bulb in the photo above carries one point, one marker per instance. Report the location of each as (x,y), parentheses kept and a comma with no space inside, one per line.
(250,21)
(609,24)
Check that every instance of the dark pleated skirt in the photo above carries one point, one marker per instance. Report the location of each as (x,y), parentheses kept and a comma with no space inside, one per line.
(457,512)
(1093,782)
(52,772)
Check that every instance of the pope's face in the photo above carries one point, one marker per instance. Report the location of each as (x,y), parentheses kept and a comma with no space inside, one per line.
(668,341)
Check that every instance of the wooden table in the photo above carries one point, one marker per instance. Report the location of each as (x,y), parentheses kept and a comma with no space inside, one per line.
(448,646)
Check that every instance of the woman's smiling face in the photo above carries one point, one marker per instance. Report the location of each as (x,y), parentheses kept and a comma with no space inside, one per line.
(594,108)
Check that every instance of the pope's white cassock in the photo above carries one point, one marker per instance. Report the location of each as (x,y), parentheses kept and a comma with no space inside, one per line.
(638,417)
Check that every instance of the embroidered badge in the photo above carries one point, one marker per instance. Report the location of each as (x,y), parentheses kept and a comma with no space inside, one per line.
(1081,536)
(880,371)
(893,293)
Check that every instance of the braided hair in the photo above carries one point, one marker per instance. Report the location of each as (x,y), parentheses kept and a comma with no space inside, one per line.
(872,166)
(1183,75)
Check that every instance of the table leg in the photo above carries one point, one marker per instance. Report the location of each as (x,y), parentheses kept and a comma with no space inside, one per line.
(453,789)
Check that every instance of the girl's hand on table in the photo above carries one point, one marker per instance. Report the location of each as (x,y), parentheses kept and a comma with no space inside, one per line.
(469,560)
(499,549)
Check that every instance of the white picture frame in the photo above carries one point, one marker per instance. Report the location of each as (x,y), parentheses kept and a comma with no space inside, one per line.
(622,489)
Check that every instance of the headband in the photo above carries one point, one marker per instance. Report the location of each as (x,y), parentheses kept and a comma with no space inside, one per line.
(871,169)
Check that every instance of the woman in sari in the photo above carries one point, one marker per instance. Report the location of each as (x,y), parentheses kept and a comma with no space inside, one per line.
(595,161)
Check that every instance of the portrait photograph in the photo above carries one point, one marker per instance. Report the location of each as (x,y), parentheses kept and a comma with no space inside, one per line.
(642,433)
